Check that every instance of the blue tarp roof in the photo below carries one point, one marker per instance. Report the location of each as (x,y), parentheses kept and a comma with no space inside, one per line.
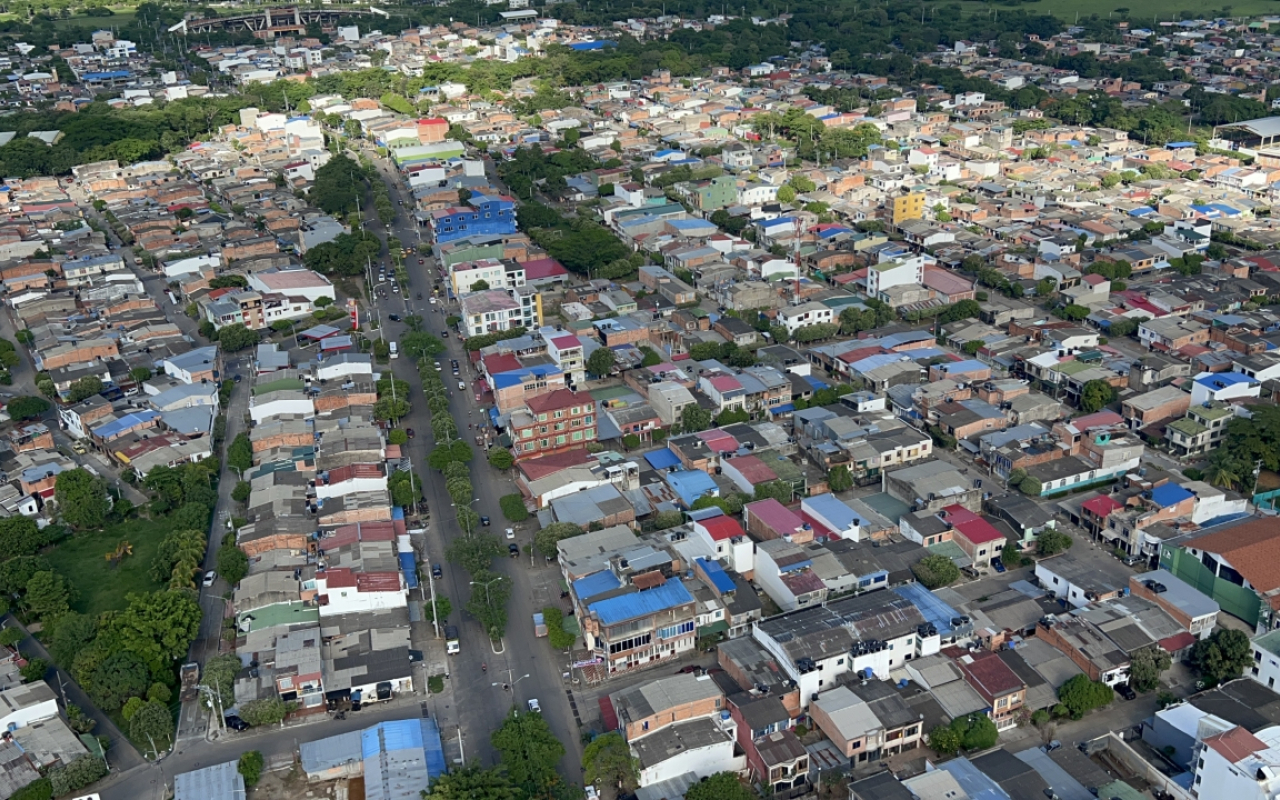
(595,584)
(409,566)
(597,45)
(716,574)
(1142,211)
(642,604)
(432,748)
(783,409)
(505,380)
(1170,494)
(116,427)
(815,383)
(662,459)
(691,484)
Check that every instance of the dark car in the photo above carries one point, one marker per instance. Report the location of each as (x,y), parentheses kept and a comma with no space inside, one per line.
(689,668)
(409,432)
(436,571)
(1126,691)
(236,724)
(444,334)
(393,317)
(513,549)
(420,261)
(484,521)
(997,565)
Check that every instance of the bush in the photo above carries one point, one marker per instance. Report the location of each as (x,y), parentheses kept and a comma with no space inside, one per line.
(397,436)
(935,571)
(513,509)
(559,638)
(250,767)
(1052,542)
(1080,695)
(76,775)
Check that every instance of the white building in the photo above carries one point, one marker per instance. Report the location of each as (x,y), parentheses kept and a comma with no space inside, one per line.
(1223,387)
(802,316)
(1238,765)
(344,591)
(701,747)
(297,282)
(888,274)
(22,705)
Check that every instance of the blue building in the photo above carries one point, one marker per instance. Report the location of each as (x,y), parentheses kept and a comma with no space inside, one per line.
(493,215)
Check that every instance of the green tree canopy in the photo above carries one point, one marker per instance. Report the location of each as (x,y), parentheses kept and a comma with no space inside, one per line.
(474,783)
(529,751)
(607,759)
(1222,656)
(545,540)
(601,362)
(936,571)
(235,337)
(1081,695)
(27,407)
(720,786)
(82,499)
(1145,667)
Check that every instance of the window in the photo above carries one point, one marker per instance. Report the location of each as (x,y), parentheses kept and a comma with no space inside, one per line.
(577,436)
(672,631)
(630,644)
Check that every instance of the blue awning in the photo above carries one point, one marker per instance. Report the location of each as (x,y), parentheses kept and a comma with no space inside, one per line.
(786,408)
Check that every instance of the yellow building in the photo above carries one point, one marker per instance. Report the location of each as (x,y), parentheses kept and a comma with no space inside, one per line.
(908,206)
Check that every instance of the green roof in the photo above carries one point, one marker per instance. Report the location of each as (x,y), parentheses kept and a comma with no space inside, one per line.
(283,614)
(285,384)
(1188,427)
(1073,367)
(1213,412)
(1269,642)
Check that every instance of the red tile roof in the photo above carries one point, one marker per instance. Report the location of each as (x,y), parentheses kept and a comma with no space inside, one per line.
(725,383)
(543,268)
(340,578)
(1102,505)
(971,526)
(1235,744)
(542,466)
(378,582)
(990,676)
(753,469)
(718,441)
(566,342)
(1177,642)
(497,363)
(1252,548)
(557,400)
(778,517)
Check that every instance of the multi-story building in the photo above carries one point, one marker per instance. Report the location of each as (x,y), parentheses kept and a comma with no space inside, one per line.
(802,316)
(1200,430)
(715,193)
(908,206)
(552,422)
(494,310)
(492,215)
(498,274)
(654,621)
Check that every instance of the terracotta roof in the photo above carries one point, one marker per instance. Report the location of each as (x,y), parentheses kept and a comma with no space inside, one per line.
(378,582)
(753,469)
(1102,505)
(559,399)
(1235,744)
(340,578)
(649,580)
(972,527)
(722,528)
(990,676)
(538,468)
(1252,548)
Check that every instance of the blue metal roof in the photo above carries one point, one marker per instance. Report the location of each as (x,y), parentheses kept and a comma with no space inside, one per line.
(432,748)
(931,608)
(1170,494)
(396,734)
(716,574)
(409,566)
(662,459)
(595,584)
(1221,380)
(596,45)
(116,427)
(691,484)
(786,408)
(504,380)
(642,604)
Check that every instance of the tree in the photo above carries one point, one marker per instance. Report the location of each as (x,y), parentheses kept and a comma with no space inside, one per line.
(720,786)
(944,740)
(976,731)
(250,767)
(545,540)
(608,759)
(48,595)
(779,490)
(240,453)
(1011,555)
(667,519)
(528,750)
(82,499)
(1052,542)
(34,670)
(70,634)
(158,627)
(84,388)
(439,610)
(237,337)
(600,363)
(1145,667)
(242,491)
(972,347)
(152,723)
(117,678)
(1081,695)
(27,407)
(9,637)
(1221,657)
(651,357)
(839,479)
(233,564)
(1031,486)
(513,508)
(936,571)
(1095,396)
(270,711)
(786,194)
(77,774)
(501,458)
(474,783)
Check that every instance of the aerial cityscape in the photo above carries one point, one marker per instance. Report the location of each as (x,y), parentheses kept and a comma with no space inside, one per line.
(658,400)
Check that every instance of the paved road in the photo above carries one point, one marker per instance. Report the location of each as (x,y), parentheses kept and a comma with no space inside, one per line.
(523,653)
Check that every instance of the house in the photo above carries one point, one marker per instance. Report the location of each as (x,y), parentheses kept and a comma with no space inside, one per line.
(689,751)
(649,707)
(552,422)
(1079,582)
(1237,565)
(1196,613)
(651,620)
(1238,764)
(997,684)
(1201,430)
(978,538)
(1223,387)
(793,318)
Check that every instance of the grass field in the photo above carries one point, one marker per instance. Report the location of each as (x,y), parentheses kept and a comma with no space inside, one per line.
(1142,13)
(99,586)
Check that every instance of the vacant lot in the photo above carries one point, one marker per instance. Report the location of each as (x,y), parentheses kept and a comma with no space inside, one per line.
(82,560)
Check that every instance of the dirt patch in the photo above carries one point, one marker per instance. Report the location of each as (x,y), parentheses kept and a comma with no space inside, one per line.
(291,784)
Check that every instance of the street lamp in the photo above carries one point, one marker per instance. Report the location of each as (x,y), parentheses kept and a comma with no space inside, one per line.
(487,599)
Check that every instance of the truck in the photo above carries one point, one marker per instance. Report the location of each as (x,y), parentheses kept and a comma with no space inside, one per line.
(539,625)
(451,646)
(190,680)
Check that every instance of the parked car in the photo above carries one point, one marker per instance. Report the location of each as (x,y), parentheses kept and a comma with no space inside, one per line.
(444,334)
(409,432)
(689,668)
(533,705)
(461,385)
(209,578)
(237,377)
(235,723)
(997,565)
(484,521)
(436,571)
(513,550)
(420,261)
(1126,691)
(511,532)
(393,317)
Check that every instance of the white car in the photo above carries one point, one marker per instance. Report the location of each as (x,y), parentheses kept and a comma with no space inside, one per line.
(511,533)
(533,705)
(462,385)
(210,577)
(592,794)
(438,366)
(433,300)
(395,287)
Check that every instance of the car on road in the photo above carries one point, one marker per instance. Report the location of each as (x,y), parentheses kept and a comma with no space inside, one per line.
(436,571)
(393,317)
(395,287)
(444,334)
(1125,691)
(513,550)
(437,366)
(237,377)
(591,793)
(689,668)
(79,448)
(432,300)
(420,261)
(533,705)
(209,578)
(235,723)
(511,533)
(484,521)
(461,385)
(409,432)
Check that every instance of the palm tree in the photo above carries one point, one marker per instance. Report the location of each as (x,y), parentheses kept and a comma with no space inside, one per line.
(1223,476)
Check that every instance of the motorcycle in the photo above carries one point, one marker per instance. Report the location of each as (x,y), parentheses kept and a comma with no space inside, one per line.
(484,667)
